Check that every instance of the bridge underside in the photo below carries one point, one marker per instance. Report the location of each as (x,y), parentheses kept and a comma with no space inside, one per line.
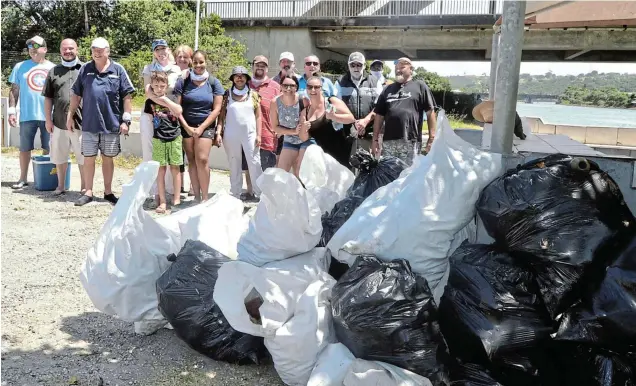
(474,45)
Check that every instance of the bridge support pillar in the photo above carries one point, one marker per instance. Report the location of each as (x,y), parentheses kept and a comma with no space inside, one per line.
(494,61)
(507,84)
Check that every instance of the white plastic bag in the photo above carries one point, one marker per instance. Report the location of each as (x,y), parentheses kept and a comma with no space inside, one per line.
(296,345)
(129,255)
(324,177)
(417,216)
(332,366)
(374,373)
(287,221)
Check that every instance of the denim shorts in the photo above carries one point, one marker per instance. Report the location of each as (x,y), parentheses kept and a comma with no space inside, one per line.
(28,129)
(298,146)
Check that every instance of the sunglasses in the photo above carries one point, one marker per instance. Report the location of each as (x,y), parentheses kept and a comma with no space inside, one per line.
(312,64)
(355,65)
(314,87)
(34,45)
(289,86)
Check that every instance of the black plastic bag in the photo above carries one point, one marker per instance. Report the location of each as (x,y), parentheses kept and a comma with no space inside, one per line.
(564,214)
(185,293)
(385,312)
(606,316)
(470,374)
(590,366)
(373,174)
(491,314)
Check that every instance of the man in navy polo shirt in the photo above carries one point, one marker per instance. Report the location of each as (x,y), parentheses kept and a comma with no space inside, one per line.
(106,91)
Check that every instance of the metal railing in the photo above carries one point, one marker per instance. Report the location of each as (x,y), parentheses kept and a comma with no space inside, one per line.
(339,9)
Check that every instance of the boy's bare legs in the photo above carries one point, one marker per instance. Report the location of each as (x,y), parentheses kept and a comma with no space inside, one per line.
(161,186)
(176,184)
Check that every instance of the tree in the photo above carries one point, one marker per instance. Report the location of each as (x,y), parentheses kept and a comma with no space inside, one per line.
(432,79)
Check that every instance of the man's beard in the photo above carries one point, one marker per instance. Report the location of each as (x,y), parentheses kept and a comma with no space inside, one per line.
(356,75)
(401,78)
(259,74)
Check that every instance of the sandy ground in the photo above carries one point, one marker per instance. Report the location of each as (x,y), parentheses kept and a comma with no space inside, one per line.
(51,333)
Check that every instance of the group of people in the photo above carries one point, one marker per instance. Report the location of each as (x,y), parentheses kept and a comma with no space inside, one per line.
(261,122)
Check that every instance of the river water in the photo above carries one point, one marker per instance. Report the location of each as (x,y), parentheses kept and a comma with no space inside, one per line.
(553,114)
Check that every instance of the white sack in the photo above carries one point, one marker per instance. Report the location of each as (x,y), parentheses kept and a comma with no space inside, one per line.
(296,345)
(417,216)
(279,283)
(129,255)
(287,221)
(324,177)
(374,373)
(332,366)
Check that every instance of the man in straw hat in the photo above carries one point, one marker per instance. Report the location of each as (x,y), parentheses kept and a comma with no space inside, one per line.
(400,110)
(485,113)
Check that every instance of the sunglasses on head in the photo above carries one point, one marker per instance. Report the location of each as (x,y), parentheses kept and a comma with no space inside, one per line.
(289,86)
(313,87)
(34,45)
(312,64)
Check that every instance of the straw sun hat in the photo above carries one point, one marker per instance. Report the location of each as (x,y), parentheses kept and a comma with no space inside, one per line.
(484,111)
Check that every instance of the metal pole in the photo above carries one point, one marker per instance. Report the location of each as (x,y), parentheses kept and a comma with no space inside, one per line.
(507,85)
(196,26)
(494,62)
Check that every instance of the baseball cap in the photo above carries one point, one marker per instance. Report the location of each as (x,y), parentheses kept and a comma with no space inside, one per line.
(286,55)
(356,57)
(100,43)
(377,61)
(404,60)
(159,43)
(37,39)
(260,59)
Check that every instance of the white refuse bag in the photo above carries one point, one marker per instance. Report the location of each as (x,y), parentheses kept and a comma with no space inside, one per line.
(332,366)
(287,221)
(417,216)
(324,177)
(374,373)
(295,347)
(121,268)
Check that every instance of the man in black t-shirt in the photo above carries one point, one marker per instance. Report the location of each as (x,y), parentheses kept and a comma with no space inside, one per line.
(397,129)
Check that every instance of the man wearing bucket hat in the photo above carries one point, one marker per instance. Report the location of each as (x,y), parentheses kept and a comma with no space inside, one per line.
(399,111)
(105,90)
(27,82)
(239,125)
(484,113)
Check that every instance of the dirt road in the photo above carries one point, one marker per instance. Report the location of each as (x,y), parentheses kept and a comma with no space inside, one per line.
(51,333)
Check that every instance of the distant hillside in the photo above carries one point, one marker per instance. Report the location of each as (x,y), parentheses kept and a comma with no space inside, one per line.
(550,84)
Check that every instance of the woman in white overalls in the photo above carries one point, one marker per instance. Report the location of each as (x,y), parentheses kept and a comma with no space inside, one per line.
(240,128)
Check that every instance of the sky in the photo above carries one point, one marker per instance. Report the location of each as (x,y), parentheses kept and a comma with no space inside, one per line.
(532,68)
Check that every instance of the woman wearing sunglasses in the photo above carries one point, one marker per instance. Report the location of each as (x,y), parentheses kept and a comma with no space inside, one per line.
(284,116)
(318,120)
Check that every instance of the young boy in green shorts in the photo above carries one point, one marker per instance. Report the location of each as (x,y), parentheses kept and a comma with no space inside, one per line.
(166,142)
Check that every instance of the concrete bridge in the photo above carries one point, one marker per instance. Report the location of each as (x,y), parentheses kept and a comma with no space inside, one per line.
(451,30)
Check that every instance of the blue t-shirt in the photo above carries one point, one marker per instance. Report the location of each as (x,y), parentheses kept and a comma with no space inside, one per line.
(328,89)
(197,100)
(102,96)
(31,77)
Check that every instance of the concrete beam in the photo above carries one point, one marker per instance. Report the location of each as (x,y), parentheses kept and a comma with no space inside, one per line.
(411,54)
(565,40)
(569,55)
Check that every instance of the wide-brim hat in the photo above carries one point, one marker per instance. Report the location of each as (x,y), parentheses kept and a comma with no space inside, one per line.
(240,70)
(484,112)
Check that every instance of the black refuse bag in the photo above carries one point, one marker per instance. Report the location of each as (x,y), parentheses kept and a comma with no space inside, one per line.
(606,316)
(470,374)
(185,293)
(491,314)
(565,215)
(386,312)
(591,366)
(373,174)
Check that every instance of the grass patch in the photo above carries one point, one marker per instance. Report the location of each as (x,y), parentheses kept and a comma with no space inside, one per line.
(462,122)
(121,161)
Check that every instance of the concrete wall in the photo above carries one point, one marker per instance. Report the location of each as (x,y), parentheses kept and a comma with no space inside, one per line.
(272,41)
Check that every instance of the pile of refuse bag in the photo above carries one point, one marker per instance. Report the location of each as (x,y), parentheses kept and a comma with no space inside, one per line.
(376,279)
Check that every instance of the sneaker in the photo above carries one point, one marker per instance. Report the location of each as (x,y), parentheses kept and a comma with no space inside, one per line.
(111,198)
(19,185)
(83,200)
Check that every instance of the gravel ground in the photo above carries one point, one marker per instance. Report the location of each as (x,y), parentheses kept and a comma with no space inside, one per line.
(51,333)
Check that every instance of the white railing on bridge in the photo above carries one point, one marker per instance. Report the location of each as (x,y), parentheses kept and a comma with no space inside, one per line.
(338,9)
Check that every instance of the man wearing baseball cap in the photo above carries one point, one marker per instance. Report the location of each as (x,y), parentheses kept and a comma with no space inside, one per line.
(400,110)
(287,65)
(359,91)
(27,82)
(105,90)
(377,70)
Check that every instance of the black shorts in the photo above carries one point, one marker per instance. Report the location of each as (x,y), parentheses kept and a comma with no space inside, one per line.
(268,159)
